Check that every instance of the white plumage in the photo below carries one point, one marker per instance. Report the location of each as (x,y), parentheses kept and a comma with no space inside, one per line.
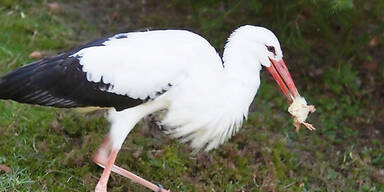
(144,63)
(206,100)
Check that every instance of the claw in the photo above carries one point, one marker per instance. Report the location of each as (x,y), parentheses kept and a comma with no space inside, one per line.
(297,124)
(309,126)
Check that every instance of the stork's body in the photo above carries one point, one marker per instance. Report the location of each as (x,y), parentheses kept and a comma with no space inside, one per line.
(205,97)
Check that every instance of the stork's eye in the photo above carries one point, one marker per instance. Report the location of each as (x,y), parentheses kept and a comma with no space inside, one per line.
(271,49)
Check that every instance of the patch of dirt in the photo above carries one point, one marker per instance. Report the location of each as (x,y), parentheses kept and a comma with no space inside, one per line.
(5,168)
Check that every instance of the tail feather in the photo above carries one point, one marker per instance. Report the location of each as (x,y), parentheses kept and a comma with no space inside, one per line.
(23,84)
(11,83)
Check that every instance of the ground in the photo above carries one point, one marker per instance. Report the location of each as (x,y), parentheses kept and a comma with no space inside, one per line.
(334,50)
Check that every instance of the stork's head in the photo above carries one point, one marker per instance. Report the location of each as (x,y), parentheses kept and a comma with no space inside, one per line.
(265,46)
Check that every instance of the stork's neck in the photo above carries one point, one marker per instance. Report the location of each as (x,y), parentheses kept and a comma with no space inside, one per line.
(242,71)
(240,63)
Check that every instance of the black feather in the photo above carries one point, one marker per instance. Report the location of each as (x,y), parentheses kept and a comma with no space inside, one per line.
(59,81)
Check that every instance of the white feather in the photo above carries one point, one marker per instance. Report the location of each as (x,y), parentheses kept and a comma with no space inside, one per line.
(145,62)
(207,102)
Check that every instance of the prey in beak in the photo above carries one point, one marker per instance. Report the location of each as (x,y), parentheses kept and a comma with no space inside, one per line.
(299,108)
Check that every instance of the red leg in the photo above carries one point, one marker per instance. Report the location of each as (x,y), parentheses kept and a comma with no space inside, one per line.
(102,184)
(101,158)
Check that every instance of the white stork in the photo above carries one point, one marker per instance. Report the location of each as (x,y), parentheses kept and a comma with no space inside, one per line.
(205,98)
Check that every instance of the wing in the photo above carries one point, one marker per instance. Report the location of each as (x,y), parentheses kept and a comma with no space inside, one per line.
(59,82)
(120,71)
(141,64)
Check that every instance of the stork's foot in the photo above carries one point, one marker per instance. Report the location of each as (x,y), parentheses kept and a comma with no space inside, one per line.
(160,188)
(101,158)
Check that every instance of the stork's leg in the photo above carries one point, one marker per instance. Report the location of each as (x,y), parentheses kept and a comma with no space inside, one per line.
(102,184)
(121,124)
(101,155)
(101,158)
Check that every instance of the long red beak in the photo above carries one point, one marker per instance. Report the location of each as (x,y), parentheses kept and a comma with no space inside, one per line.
(280,73)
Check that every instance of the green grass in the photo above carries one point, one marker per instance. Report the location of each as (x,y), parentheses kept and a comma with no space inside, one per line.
(327,45)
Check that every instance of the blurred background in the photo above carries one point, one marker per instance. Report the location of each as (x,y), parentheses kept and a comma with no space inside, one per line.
(333,48)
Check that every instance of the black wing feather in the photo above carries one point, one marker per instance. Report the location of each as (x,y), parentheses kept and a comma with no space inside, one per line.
(60,82)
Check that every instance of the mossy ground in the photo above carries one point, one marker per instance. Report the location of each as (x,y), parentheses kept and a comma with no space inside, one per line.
(334,50)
